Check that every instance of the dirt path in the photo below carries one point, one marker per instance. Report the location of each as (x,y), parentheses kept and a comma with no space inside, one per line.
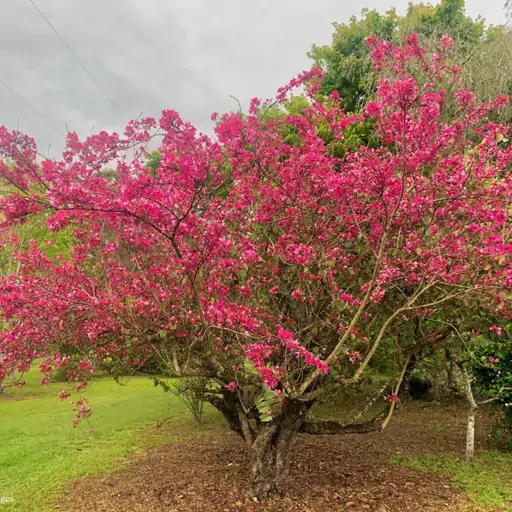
(329,473)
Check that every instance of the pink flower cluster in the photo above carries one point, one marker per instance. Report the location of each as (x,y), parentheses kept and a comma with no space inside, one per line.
(259,354)
(497,329)
(289,342)
(353,357)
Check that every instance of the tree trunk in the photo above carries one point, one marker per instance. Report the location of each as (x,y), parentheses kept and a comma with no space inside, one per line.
(227,406)
(473,407)
(404,386)
(470,435)
(453,381)
(270,451)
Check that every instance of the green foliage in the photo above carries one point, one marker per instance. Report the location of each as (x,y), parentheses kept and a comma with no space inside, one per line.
(347,62)
(488,71)
(447,17)
(60,375)
(354,137)
(189,391)
(492,370)
(296,104)
(154,160)
(487,480)
(54,245)
(266,403)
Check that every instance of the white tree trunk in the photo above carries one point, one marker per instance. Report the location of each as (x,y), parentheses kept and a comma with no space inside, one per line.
(470,435)
(473,406)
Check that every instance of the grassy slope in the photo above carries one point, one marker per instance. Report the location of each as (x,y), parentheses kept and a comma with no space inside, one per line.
(40,451)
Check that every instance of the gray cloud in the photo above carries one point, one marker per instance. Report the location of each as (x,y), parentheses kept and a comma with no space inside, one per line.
(189,55)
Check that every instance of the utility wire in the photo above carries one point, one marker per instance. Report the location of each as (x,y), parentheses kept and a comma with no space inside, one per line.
(48,22)
(38,114)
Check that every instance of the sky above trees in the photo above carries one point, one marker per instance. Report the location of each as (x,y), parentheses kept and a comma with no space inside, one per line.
(148,55)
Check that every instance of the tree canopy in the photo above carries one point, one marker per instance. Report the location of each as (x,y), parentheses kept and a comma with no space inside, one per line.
(276,269)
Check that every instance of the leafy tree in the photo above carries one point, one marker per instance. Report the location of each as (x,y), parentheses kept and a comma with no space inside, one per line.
(347,62)
(296,281)
(491,369)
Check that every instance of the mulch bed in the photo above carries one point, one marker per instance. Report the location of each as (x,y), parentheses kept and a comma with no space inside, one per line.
(329,473)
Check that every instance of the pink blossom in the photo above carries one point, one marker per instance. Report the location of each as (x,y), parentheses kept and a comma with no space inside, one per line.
(298,295)
(354,357)
(231,386)
(446,41)
(497,329)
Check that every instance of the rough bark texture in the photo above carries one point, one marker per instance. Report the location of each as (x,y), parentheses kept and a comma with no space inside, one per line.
(454,379)
(270,451)
(470,435)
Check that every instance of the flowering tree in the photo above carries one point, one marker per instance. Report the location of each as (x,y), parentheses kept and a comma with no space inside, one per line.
(267,264)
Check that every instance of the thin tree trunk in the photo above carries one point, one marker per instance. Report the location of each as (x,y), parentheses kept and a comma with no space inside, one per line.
(396,392)
(470,435)
(473,406)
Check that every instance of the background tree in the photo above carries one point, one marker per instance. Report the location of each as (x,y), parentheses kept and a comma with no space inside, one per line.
(347,62)
(490,368)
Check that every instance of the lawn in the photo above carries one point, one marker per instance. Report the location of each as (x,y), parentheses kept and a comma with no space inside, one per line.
(41,452)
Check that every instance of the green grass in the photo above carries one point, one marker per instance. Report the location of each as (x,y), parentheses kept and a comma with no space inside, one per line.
(487,480)
(41,452)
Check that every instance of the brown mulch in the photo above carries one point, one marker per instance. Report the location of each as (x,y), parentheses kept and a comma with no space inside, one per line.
(329,473)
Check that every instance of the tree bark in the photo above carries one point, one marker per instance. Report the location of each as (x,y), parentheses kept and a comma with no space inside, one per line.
(270,451)
(332,427)
(453,382)
(404,386)
(473,406)
(227,406)
(470,435)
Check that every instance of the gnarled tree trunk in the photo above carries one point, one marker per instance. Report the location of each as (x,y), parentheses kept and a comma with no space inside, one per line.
(270,444)
(270,451)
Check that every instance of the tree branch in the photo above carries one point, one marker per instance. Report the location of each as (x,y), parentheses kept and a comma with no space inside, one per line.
(497,397)
(333,427)
(397,388)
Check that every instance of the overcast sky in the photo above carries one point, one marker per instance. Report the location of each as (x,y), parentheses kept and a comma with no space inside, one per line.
(188,55)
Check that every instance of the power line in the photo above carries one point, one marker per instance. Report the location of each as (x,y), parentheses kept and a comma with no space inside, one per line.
(38,114)
(48,22)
